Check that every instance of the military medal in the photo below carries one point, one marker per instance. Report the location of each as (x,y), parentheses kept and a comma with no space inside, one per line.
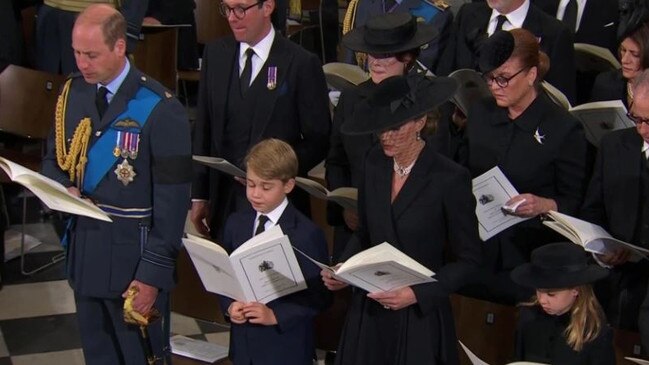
(127,145)
(125,172)
(272,78)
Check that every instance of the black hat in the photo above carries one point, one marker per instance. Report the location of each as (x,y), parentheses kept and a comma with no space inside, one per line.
(633,13)
(389,33)
(397,100)
(557,266)
(496,50)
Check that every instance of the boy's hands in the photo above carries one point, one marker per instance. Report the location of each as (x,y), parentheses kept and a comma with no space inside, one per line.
(235,311)
(259,313)
(253,312)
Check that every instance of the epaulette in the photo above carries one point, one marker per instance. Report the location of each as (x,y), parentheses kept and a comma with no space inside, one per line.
(156,87)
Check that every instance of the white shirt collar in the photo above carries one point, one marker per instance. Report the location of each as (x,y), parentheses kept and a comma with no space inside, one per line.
(515,18)
(581,5)
(262,48)
(273,215)
(645,149)
(114,85)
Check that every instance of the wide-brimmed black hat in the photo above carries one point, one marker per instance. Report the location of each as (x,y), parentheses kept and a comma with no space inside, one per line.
(558,266)
(389,33)
(495,51)
(397,100)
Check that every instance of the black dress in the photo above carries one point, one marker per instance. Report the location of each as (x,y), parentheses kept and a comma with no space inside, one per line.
(433,213)
(540,338)
(610,85)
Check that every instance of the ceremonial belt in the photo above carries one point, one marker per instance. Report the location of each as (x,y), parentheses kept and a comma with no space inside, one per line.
(126,212)
(100,156)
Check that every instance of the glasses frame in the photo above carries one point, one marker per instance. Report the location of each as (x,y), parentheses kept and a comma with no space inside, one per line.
(501,81)
(238,11)
(636,119)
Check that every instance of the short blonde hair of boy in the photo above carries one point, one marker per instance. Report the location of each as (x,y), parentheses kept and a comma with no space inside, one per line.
(272,159)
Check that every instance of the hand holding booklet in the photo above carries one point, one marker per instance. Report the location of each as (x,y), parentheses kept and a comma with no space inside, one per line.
(54,195)
(378,269)
(591,236)
(262,269)
(492,191)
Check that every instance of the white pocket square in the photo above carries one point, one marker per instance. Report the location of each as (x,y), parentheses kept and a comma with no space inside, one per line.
(609,24)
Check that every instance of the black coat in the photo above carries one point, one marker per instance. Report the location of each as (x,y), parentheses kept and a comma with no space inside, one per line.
(610,85)
(598,23)
(296,111)
(540,338)
(470,30)
(553,169)
(434,212)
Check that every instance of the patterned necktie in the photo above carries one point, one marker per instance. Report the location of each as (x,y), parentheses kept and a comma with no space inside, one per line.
(501,19)
(570,16)
(101,101)
(246,75)
(261,226)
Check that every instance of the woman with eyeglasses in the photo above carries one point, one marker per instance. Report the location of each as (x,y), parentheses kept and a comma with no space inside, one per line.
(421,203)
(391,42)
(539,147)
(634,58)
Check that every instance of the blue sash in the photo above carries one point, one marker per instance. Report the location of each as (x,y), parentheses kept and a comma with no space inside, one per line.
(100,156)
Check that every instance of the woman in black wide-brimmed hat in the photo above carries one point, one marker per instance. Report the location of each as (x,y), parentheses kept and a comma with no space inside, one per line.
(392,43)
(421,203)
(564,323)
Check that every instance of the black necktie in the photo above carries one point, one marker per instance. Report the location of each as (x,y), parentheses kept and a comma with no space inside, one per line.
(246,75)
(261,226)
(501,19)
(101,101)
(570,15)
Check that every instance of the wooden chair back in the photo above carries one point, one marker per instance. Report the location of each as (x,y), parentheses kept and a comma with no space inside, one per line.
(485,328)
(27,101)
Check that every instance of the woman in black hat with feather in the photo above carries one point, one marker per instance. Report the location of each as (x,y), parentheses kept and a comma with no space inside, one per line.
(420,202)
(392,43)
(563,324)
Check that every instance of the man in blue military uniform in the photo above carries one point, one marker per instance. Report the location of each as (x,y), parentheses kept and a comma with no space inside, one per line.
(135,138)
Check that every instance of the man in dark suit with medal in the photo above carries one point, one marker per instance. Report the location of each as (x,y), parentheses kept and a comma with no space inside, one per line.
(618,200)
(254,85)
(479,20)
(122,141)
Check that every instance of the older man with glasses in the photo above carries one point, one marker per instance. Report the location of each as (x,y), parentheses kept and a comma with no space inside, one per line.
(254,85)
(618,200)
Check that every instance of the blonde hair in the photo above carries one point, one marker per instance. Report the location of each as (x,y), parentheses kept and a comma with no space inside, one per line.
(272,159)
(587,318)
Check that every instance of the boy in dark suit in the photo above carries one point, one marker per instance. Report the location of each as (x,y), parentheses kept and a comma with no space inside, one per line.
(279,332)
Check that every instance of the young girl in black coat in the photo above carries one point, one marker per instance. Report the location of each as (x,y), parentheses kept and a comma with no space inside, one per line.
(563,324)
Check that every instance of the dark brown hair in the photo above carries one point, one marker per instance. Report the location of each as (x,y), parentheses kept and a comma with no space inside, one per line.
(641,37)
(528,52)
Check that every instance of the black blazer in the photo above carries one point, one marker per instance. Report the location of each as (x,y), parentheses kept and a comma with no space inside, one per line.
(598,24)
(614,191)
(296,111)
(433,215)
(540,338)
(553,169)
(470,30)
(291,341)
(610,85)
